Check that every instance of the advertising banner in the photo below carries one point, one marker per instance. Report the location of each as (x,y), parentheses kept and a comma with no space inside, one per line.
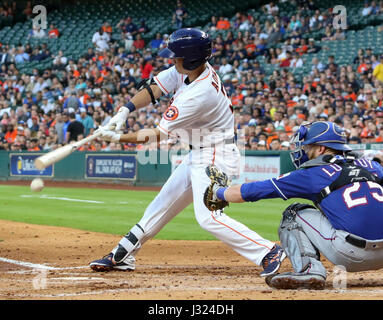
(111,166)
(253,168)
(23,165)
(258,168)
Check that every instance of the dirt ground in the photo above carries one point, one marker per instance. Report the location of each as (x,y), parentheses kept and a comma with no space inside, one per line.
(44,262)
(51,263)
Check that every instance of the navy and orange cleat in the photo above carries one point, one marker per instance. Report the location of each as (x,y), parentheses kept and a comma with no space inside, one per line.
(107,264)
(272,261)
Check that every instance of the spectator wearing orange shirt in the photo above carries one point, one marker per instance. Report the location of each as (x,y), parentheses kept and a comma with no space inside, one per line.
(350,93)
(368,133)
(302,49)
(379,138)
(53,32)
(34,145)
(107,28)
(275,144)
(223,24)
(363,66)
(10,134)
(83,96)
(238,96)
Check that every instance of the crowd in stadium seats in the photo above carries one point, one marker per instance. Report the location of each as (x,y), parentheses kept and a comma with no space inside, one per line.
(48,109)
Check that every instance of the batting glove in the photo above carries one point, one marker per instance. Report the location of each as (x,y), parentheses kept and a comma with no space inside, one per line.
(108,135)
(118,120)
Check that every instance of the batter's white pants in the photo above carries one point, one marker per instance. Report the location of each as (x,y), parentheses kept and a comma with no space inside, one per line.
(187,184)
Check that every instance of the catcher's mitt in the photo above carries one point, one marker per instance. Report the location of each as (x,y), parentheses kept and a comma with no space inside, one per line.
(218,180)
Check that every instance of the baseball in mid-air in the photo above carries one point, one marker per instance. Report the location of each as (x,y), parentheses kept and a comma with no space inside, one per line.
(37,185)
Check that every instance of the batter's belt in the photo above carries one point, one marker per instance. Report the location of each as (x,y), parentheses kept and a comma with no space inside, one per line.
(226,141)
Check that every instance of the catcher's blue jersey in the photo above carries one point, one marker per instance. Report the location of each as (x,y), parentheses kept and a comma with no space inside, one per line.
(356,208)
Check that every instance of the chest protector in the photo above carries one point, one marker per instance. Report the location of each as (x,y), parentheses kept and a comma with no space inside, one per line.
(350,173)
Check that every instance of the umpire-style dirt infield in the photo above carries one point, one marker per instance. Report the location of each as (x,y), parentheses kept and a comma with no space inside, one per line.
(45,262)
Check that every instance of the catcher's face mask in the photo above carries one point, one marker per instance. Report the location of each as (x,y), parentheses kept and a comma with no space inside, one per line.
(298,155)
(322,133)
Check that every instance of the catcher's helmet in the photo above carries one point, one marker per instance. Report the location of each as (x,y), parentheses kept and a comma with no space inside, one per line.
(323,133)
(191,44)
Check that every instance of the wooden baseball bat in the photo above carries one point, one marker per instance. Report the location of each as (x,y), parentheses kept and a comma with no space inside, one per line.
(56,155)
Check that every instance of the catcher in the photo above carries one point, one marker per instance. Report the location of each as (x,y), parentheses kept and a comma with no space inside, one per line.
(346,224)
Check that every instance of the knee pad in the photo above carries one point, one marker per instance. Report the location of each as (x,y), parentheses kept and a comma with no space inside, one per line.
(294,241)
(129,244)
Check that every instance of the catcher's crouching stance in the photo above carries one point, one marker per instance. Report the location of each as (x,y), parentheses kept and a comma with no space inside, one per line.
(346,224)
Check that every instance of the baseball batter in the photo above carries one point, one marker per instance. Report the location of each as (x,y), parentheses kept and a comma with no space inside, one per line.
(346,225)
(200,115)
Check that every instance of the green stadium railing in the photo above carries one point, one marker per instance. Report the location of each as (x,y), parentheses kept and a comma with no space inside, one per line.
(152,169)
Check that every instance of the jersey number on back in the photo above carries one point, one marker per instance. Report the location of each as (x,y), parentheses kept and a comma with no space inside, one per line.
(215,83)
(216,86)
(354,202)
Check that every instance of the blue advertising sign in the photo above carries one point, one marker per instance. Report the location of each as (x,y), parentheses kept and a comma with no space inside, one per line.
(23,165)
(112,166)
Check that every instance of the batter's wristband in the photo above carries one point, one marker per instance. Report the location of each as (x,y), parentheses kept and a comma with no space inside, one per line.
(130,105)
(221,193)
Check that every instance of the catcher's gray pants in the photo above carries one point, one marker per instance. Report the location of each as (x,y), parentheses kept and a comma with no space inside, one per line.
(311,232)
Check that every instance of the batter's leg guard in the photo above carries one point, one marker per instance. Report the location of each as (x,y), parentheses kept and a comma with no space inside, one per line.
(129,244)
(304,257)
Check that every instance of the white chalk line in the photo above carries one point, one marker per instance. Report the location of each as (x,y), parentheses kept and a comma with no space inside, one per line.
(44,266)
(69,199)
(62,199)
(360,292)
(37,265)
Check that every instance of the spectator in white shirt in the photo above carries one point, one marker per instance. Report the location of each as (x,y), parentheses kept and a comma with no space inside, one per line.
(46,106)
(60,61)
(297,61)
(315,20)
(245,25)
(367,10)
(316,64)
(71,66)
(38,33)
(281,54)
(39,85)
(271,8)
(100,40)
(298,95)
(21,56)
(225,67)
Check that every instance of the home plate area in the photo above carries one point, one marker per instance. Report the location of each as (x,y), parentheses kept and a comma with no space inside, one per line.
(44,262)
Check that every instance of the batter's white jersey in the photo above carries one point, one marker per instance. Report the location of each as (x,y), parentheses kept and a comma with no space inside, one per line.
(199,113)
